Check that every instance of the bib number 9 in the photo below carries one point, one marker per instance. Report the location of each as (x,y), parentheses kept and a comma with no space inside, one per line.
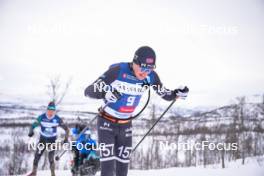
(130,101)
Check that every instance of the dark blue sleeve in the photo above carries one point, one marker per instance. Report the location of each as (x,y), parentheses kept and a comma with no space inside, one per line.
(157,85)
(107,78)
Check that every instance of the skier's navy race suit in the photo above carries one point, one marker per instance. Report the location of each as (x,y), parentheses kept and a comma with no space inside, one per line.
(114,130)
(48,135)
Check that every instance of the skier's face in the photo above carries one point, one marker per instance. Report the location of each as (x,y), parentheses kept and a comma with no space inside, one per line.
(139,73)
(50,113)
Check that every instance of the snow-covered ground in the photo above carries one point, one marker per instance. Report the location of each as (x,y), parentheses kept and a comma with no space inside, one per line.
(245,170)
(234,168)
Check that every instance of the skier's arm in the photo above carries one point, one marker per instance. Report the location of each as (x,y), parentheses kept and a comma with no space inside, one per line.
(34,125)
(96,90)
(66,129)
(166,94)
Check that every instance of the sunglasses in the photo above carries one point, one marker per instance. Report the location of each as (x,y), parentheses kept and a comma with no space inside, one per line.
(146,70)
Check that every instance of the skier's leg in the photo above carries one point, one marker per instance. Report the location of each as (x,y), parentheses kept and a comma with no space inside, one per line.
(40,149)
(51,161)
(106,136)
(50,143)
(81,160)
(76,158)
(37,156)
(123,149)
(121,168)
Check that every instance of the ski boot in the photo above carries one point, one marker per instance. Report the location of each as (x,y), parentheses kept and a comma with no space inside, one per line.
(33,172)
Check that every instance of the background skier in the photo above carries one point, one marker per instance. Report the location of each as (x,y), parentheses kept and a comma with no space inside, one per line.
(48,122)
(85,152)
(114,124)
(75,131)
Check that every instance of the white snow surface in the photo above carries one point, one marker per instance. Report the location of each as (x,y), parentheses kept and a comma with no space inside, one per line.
(251,168)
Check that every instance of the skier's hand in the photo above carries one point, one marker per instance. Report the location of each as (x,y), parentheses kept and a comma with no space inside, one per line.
(112,96)
(31,133)
(182,92)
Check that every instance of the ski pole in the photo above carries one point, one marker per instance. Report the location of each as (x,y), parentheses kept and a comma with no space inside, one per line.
(166,110)
(57,158)
(86,127)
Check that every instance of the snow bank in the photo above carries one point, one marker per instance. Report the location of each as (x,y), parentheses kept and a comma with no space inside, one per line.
(249,169)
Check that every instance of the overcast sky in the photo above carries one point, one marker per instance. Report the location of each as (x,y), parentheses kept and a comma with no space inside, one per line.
(214,46)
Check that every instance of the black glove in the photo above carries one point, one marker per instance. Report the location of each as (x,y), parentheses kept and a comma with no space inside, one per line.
(31,132)
(181,93)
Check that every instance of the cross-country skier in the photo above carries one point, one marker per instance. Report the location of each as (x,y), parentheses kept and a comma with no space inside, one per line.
(48,122)
(86,161)
(74,135)
(123,86)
